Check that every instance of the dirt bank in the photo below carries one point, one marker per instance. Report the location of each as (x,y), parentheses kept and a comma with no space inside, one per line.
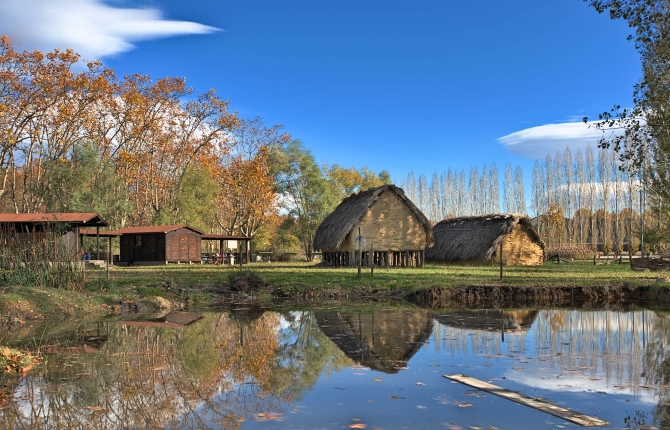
(545,296)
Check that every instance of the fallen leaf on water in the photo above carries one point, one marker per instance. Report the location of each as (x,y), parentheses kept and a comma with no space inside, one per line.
(357,426)
(421,407)
(268,416)
(377,380)
(420,383)
(464,405)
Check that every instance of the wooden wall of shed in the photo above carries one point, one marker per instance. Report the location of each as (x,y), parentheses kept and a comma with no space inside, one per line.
(183,245)
(152,248)
(519,249)
(390,226)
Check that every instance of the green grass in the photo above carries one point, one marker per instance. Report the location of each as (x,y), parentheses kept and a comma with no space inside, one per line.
(196,285)
(306,277)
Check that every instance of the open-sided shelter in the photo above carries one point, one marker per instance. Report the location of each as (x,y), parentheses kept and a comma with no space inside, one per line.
(393,227)
(160,244)
(477,240)
(67,226)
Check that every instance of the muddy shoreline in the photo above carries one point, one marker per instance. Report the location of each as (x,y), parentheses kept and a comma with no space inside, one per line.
(623,296)
(30,308)
(588,297)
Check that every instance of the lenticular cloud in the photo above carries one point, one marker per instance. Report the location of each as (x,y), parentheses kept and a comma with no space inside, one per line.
(90,27)
(537,142)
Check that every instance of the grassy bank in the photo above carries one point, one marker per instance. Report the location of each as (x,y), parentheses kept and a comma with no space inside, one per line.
(199,285)
(298,278)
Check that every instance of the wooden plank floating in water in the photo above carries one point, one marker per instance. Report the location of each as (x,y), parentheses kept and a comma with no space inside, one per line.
(566,414)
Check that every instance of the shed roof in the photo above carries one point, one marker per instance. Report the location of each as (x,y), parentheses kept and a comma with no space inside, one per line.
(475,237)
(334,229)
(88,218)
(153,229)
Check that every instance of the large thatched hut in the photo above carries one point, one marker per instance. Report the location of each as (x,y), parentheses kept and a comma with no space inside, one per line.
(384,340)
(394,228)
(477,239)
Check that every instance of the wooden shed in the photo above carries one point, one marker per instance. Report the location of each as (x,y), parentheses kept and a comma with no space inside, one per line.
(160,244)
(392,225)
(477,239)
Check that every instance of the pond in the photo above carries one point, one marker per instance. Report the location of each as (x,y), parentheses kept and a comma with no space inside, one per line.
(373,368)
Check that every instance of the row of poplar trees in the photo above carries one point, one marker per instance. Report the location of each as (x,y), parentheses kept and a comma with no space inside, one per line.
(586,200)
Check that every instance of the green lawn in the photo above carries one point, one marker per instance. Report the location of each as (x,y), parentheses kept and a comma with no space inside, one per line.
(196,283)
(303,277)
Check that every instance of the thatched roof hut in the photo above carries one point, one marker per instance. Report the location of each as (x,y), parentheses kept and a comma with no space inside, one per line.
(397,229)
(384,340)
(477,240)
(494,320)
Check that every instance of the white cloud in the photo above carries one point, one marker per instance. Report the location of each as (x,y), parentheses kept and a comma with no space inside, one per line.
(90,27)
(538,142)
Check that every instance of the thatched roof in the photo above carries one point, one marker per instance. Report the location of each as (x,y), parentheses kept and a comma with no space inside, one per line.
(475,237)
(334,229)
(398,335)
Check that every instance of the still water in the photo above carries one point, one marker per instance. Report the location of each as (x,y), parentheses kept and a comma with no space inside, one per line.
(377,368)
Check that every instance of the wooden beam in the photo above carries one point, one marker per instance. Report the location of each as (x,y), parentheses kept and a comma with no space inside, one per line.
(542,406)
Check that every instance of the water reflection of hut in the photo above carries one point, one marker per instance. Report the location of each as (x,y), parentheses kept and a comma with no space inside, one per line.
(384,340)
(174,319)
(511,321)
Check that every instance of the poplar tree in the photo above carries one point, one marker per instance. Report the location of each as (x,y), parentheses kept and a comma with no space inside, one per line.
(519,193)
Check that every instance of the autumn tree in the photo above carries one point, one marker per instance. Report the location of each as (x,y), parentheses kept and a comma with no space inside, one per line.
(643,140)
(304,192)
(348,180)
(247,196)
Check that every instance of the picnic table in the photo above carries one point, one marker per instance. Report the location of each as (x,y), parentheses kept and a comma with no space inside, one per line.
(266,256)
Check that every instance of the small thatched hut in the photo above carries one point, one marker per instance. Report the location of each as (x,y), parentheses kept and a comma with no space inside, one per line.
(392,225)
(477,239)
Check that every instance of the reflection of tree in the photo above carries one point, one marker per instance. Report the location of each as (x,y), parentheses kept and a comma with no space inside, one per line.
(213,374)
(304,354)
(657,364)
(461,330)
(628,347)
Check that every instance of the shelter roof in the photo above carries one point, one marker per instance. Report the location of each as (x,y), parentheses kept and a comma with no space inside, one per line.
(90,232)
(153,229)
(88,218)
(334,229)
(475,237)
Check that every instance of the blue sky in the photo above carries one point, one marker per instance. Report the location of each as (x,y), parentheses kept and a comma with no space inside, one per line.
(396,85)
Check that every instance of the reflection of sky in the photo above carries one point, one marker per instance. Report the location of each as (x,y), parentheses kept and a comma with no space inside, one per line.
(565,356)
(576,359)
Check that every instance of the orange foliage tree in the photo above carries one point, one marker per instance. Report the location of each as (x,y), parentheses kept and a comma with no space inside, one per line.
(247,200)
